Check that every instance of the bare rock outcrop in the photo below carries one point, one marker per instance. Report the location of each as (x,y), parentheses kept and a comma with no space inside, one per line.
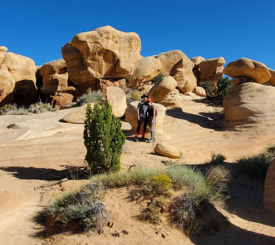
(176,64)
(168,150)
(102,53)
(211,69)
(147,68)
(269,192)
(162,89)
(131,116)
(249,103)
(117,99)
(245,67)
(7,85)
(3,50)
(23,72)
(200,91)
(196,61)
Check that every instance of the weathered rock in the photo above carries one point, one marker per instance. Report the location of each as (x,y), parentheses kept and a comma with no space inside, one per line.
(147,68)
(23,71)
(117,99)
(131,116)
(211,69)
(249,103)
(2,54)
(272,79)
(102,53)
(168,150)
(200,91)
(196,61)
(173,101)
(7,84)
(59,99)
(77,116)
(248,68)
(162,89)
(103,84)
(269,192)
(55,77)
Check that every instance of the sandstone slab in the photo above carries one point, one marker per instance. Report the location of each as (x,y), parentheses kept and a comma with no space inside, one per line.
(168,150)
(78,116)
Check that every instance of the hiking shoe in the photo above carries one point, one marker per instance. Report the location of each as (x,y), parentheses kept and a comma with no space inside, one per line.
(136,139)
(143,139)
(151,141)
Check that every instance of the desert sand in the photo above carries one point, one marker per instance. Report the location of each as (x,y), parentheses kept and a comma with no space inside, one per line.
(43,149)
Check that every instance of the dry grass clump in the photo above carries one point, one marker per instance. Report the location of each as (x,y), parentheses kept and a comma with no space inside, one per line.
(92,97)
(217,159)
(256,166)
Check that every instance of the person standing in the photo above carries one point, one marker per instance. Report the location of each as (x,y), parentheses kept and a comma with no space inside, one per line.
(152,113)
(142,117)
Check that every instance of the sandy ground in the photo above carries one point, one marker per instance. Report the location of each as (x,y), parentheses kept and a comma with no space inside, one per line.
(45,148)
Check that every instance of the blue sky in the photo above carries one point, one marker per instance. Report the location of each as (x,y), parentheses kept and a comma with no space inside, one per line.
(231,29)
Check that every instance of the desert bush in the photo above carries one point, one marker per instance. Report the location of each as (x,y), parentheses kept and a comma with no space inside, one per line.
(83,205)
(256,166)
(103,139)
(92,97)
(216,159)
(159,77)
(208,87)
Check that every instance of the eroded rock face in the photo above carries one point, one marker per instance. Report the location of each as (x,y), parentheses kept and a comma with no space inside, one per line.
(102,53)
(162,89)
(59,99)
(117,99)
(168,150)
(272,79)
(249,103)
(55,77)
(2,54)
(269,192)
(23,72)
(147,68)
(248,68)
(176,64)
(211,69)
(131,116)
(7,85)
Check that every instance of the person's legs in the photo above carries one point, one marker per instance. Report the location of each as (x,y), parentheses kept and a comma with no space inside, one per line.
(140,122)
(152,129)
(144,128)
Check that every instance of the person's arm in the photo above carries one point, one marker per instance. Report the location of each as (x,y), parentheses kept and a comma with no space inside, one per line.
(138,111)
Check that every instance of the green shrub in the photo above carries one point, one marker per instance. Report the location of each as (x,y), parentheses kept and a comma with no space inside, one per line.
(92,97)
(103,139)
(256,166)
(159,77)
(208,87)
(217,159)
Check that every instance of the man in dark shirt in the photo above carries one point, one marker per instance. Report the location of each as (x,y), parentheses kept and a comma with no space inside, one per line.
(142,117)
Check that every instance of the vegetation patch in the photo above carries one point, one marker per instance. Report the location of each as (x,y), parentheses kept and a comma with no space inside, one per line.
(92,97)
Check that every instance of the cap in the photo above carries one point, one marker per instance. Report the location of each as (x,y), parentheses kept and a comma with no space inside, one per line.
(149,100)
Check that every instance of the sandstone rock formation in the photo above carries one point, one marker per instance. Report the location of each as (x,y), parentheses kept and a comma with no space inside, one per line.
(211,69)
(269,192)
(147,68)
(2,54)
(77,116)
(248,68)
(173,101)
(59,99)
(162,89)
(7,84)
(249,103)
(272,79)
(176,64)
(200,91)
(116,97)
(168,150)
(131,116)
(102,53)
(23,72)
(196,61)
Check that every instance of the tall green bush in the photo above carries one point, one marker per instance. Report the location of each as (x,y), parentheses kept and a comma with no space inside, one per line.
(103,138)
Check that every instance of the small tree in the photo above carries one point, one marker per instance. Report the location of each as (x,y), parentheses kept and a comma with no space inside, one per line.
(103,139)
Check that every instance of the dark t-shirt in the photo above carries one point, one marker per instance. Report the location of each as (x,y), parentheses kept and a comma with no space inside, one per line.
(151,111)
(143,107)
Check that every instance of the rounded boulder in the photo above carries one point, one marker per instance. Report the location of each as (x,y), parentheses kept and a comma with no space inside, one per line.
(168,150)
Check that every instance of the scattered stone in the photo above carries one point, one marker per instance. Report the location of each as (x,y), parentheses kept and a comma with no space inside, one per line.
(125,232)
(14,126)
(168,150)
(245,67)
(36,111)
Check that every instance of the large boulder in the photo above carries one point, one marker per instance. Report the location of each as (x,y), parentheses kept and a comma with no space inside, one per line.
(7,84)
(116,97)
(249,103)
(168,150)
(147,68)
(131,116)
(77,116)
(211,69)
(55,77)
(200,91)
(269,192)
(23,72)
(176,64)
(248,68)
(162,89)
(272,79)
(196,69)
(2,54)
(102,53)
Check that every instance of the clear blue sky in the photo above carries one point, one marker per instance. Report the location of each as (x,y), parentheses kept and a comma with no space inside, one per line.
(213,28)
